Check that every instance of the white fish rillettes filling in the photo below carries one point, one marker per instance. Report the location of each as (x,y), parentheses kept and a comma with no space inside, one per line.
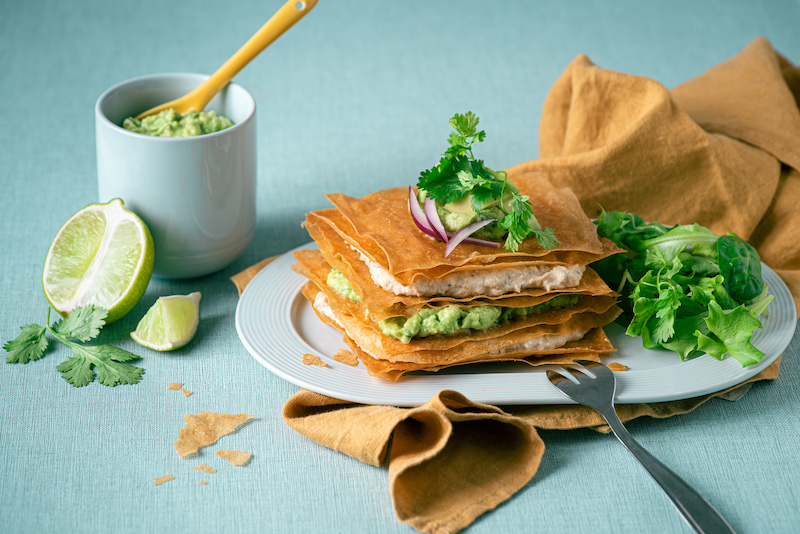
(322,306)
(545,342)
(488,282)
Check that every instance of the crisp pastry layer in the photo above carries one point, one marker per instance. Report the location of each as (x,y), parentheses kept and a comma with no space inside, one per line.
(381,305)
(394,278)
(379,227)
(579,338)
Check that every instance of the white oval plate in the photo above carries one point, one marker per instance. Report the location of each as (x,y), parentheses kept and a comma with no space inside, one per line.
(277,326)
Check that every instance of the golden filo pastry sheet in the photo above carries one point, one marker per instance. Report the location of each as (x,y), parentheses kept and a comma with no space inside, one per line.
(589,304)
(340,254)
(589,348)
(444,349)
(332,220)
(384,218)
(382,304)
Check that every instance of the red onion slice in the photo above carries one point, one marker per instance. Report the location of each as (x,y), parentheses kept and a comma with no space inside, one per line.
(433,219)
(464,233)
(424,224)
(417,215)
(483,242)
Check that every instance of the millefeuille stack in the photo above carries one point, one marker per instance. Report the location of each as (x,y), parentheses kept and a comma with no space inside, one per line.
(395,271)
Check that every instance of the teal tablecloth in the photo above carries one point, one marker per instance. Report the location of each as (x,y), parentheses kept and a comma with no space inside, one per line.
(354,98)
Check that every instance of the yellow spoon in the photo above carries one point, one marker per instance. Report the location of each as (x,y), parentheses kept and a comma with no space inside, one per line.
(291,12)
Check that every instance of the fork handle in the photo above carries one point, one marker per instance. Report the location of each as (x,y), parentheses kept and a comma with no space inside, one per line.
(697,511)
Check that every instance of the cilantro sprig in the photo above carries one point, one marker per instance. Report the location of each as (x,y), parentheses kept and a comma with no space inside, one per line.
(459,173)
(83,324)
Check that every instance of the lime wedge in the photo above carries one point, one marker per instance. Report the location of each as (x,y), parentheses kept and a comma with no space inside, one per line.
(103,255)
(170,323)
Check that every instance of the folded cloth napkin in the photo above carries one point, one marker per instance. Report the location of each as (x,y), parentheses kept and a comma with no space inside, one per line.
(722,150)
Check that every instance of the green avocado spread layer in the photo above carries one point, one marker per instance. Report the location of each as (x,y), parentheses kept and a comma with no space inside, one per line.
(339,283)
(429,321)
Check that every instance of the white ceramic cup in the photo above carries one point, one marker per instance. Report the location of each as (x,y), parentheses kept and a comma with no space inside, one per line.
(196,194)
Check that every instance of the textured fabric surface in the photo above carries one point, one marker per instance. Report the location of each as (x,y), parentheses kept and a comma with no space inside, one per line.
(354,98)
(724,148)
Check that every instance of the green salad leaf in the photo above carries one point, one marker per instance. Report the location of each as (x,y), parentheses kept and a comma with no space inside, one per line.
(730,333)
(684,288)
(741,267)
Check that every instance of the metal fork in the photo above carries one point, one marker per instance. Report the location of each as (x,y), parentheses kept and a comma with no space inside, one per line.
(594,386)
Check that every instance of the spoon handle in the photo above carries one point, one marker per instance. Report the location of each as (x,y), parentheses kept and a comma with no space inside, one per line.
(291,12)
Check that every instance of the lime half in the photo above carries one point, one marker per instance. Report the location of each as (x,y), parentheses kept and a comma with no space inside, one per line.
(103,255)
(170,323)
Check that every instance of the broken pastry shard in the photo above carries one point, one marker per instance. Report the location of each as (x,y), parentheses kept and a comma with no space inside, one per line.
(175,386)
(205,468)
(310,359)
(161,480)
(206,428)
(346,357)
(234,457)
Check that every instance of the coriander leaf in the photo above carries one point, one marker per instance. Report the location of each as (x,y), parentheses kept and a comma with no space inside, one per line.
(112,372)
(517,221)
(29,345)
(546,238)
(441,182)
(700,292)
(77,370)
(521,206)
(458,141)
(465,124)
(83,323)
(666,305)
(734,331)
(469,181)
(643,309)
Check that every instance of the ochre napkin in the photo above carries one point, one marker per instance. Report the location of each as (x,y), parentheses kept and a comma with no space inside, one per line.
(722,150)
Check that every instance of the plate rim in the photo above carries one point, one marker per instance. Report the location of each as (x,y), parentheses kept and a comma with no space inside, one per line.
(394,395)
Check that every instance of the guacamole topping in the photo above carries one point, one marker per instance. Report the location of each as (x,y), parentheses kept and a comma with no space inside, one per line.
(170,123)
(459,214)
